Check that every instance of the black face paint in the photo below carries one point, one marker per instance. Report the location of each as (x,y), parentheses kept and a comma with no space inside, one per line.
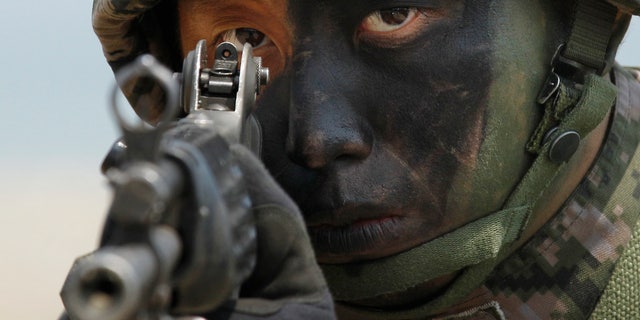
(367,136)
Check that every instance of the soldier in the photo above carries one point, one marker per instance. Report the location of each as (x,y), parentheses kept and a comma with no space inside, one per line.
(451,159)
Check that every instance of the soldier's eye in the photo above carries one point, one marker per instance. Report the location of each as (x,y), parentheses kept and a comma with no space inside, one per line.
(241,36)
(394,27)
(387,20)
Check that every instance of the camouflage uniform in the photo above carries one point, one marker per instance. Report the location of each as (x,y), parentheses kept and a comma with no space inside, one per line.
(563,271)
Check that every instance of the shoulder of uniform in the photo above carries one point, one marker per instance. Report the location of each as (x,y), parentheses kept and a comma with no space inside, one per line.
(631,72)
(635,72)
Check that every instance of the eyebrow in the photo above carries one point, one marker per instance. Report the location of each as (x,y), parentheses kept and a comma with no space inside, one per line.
(202,2)
(224,4)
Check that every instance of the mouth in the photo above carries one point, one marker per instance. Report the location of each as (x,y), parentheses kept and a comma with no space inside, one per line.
(354,233)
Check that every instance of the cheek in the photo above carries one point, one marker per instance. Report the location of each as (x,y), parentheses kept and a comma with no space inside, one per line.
(439,108)
(512,112)
(433,115)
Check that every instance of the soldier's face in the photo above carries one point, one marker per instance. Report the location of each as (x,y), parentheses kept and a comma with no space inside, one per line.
(377,117)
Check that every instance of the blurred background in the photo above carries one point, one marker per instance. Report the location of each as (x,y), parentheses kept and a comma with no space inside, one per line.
(53,88)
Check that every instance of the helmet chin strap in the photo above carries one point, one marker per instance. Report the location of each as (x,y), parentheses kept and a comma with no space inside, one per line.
(576,99)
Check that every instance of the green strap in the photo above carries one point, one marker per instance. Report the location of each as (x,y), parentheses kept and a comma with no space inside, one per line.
(591,33)
(587,46)
(555,110)
(597,98)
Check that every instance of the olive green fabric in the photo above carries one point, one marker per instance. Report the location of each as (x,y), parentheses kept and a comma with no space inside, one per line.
(469,245)
(621,298)
(555,110)
(591,33)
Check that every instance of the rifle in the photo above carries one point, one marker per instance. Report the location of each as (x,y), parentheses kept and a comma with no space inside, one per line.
(179,234)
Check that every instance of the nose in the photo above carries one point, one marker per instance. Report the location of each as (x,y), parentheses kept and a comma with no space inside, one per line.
(325,124)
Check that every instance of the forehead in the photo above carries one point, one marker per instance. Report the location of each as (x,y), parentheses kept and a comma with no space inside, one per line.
(220,6)
(207,18)
(290,12)
(225,9)
(282,6)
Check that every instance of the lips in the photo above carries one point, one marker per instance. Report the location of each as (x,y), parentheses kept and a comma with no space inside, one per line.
(353,215)
(355,232)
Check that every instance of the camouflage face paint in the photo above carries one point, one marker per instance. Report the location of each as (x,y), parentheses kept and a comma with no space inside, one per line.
(524,36)
(377,123)
(376,128)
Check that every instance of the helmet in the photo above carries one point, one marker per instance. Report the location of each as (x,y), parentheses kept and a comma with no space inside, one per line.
(128,29)
(627,6)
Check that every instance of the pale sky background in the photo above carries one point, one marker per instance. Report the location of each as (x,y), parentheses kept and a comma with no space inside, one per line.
(53,88)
